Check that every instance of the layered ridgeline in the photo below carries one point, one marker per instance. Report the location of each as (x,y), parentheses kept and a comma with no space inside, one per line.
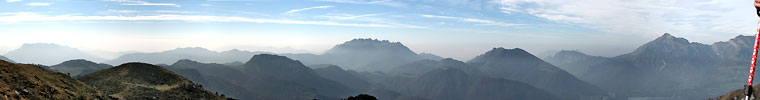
(574,62)
(145,81)
(267,76)
(365,55)
(519,65)
(348,78)
(448,81)
(23,81)
(192,53)
(48,54)
(6,59)
(667,67)
(286,69)
(79,67)
(216,77)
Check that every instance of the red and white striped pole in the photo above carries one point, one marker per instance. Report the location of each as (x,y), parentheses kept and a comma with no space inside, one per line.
(748,90)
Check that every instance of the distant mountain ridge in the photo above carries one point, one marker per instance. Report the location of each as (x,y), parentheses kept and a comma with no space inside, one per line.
(6,59)
(447,81)
(365,55)
(193,53)
(48,54)
(79,67)
(574,62)
(668,67)
(519,65)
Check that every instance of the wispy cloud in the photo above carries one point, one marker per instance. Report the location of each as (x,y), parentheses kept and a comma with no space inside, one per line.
(172,11)
(39,4)
(302,9)
(472,20)
(696,20)
(12,0)
(31,17)
(122,11)
(143,3)
(375,2)
(348,16)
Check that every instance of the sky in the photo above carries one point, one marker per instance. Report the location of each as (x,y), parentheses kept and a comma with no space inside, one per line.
(460,29)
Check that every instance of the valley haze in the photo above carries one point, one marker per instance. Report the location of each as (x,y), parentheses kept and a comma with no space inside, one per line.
(375,49)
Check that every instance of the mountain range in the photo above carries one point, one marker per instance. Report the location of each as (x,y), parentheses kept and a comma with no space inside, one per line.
(519,65)
(574,62)
(79,67)
(447,81)
(668,66)
(365,55)
(192,53)
(145,81)
(48,54)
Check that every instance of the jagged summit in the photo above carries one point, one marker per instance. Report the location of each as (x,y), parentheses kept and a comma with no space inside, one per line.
(670,38)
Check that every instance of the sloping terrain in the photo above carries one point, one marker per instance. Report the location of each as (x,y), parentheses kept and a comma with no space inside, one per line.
(79,67)
(192,53)
(6,59)
(347,78)
(519,65)
(365,55)
(22,81)
(274,67)
(145,81)
(446,83)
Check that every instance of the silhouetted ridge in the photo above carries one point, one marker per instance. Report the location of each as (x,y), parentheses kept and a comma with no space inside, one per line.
(574,62)
(505,54)
(368,44)
(519,65)
(145,81)
(6,59)
(269,62)
(79,67)
(283,68)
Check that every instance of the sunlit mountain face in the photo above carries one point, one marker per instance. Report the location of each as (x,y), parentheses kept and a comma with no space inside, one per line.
(375,49)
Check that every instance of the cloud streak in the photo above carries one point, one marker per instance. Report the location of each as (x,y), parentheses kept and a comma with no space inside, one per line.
(39,4)
(303,9)
(12,0)
(698,19)
(34,17)
(472,20)
(143,3)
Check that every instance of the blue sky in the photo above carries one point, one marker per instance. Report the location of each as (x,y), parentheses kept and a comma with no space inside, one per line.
(460,29)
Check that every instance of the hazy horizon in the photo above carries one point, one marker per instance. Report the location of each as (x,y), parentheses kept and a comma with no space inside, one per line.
(458,29)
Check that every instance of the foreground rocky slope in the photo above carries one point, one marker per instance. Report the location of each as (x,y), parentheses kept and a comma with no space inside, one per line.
(22,81)
(145,81)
